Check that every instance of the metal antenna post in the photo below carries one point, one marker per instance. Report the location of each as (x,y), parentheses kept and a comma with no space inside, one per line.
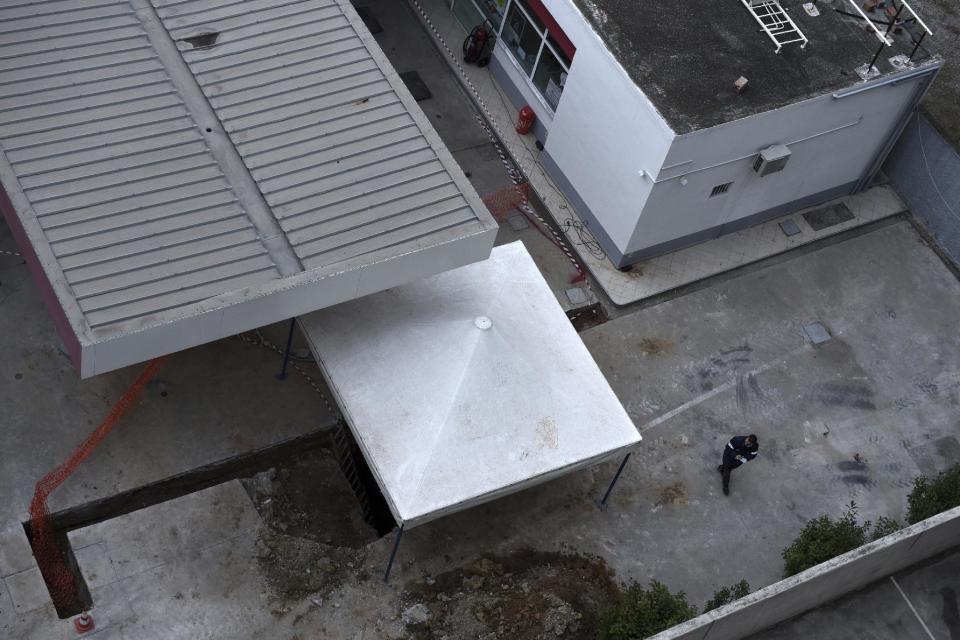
(286,352)
(603,502)
(393,553)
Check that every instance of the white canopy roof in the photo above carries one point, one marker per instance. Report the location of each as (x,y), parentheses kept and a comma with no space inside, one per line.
(449,414)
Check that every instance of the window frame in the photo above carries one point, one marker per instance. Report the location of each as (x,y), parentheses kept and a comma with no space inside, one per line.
(536,63)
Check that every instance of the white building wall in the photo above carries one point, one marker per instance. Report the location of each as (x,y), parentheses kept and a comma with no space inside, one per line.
(833,143)
(604,130)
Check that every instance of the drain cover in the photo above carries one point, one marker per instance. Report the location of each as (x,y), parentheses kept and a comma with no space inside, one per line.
(828,216)
(576,295)
(789,227)
(372,23)
(816,332)
(416,85)
(517,223)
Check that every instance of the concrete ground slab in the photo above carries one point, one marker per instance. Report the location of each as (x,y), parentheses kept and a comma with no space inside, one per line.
(663,273)
(27,590)
(196,522)
(934,591)
(917,604)
(888,618)
(112,611)
(656,275)
(15,554)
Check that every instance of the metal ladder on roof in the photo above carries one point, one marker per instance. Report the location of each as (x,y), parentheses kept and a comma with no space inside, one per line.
(775,22)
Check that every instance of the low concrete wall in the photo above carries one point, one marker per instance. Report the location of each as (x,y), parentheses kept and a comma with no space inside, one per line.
(826,582)
(925,169)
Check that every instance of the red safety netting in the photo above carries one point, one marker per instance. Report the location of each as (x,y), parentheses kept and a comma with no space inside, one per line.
(505,201)
(49,556)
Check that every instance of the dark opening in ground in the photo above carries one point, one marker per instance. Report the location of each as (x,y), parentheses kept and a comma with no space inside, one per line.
(585,317)
(310,497)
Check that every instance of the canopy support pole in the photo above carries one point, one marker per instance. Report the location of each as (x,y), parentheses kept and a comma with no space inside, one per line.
(286,352)
(393,553)
(603,502)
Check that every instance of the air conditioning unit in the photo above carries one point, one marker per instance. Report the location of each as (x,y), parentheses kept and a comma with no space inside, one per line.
(771,160)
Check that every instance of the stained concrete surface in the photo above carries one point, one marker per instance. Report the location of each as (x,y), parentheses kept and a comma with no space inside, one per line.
(727,357)
(927,607)
(691,372)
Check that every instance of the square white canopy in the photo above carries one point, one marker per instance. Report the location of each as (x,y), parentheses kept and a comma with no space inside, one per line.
(467,386)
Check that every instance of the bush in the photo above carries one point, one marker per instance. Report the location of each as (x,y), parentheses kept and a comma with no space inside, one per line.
(823,538)
(884,527)
(645,612)
(726,595)
(932,496)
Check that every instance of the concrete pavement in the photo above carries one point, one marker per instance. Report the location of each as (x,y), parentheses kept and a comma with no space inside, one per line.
(691,371)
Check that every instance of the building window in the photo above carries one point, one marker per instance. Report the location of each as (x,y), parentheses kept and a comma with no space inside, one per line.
(720,189)
(471,13)
(539,46)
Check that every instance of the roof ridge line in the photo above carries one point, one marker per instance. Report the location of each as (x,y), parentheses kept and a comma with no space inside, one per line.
(219,144)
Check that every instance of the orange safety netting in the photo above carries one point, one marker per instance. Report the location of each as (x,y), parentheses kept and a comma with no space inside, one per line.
(49,555)
(501,203)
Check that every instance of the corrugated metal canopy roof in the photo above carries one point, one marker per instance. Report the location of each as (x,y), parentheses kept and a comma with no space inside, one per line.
(168,193)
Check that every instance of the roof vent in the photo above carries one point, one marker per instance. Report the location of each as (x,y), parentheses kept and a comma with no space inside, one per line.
(771,160)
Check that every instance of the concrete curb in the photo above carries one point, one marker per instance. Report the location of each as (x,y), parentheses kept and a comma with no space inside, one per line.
(825,582)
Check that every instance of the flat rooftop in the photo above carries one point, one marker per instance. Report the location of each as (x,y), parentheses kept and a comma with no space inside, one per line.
(180,171)
(686,56)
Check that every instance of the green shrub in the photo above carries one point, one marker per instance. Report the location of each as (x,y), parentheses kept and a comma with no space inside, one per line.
(884,526)
(824,538)
(726,595)
(645,612)
(932,496)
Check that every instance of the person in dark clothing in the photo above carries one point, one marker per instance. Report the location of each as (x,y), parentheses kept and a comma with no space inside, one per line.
(740,449)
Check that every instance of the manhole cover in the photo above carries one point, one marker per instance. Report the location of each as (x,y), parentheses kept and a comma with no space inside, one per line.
(828,216)
(372,23)
(416,85)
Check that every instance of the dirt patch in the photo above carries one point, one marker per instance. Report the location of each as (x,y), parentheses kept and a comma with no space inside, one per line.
(295,568)
(674,493)
(309,498)
(314,529)
(527,595)
(655,346)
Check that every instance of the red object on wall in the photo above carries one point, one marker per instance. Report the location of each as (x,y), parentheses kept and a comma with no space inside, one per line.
(525,120)
(536,6)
